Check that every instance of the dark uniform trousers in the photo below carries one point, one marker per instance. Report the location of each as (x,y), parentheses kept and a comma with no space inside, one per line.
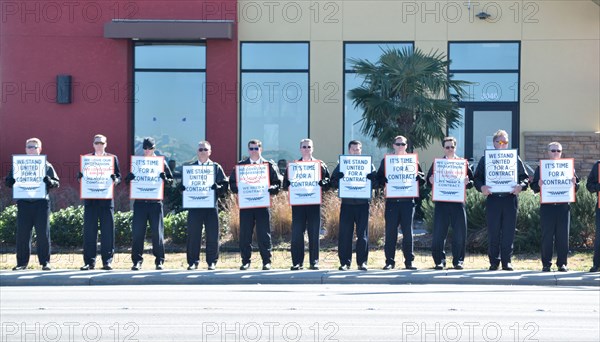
(501,217)
(449,214)
(94,211)
(305,218)
(349,215)
(555,221)
(148,212)
(399,213)
(33,213)
(597,241)
(248,218)
(197,218)
(593,186)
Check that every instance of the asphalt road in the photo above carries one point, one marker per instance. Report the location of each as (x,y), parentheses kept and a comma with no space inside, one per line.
(300,313)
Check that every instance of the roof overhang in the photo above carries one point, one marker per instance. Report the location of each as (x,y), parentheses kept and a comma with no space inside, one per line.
(168,29)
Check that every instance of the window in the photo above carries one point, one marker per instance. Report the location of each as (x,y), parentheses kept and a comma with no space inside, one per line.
(353,116)
(170,82)
(274,97)
(493,69)
(492,100)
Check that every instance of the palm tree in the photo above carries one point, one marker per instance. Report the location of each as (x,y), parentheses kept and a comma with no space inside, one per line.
(407,93)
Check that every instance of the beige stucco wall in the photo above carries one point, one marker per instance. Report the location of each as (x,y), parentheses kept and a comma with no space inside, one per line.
(560,50)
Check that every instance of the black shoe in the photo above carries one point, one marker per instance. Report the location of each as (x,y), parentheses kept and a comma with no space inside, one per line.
(160,267)
(296,267)
(508,267)
(266,267)
(459,266)
(137,266)
(546,269)
(314,266)
(344,268)
(212,266)
(409,266)
(192,267)
(594,269)
(388,267)
(19,268)
(245,267)
(363,267)
(493,268)
(439,267)
(563,268)
(87,267)
(46,267)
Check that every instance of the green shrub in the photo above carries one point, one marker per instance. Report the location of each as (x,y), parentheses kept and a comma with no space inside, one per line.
(583,224)
(476,223)
(8,224)
(173,200)
(427,207)
(475,207)
(66,227)
(123,223)
(528,236)
(176,227)
(424,194)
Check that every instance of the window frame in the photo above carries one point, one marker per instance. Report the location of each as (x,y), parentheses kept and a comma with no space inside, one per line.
(471,106)
(134,70)
(306,71)
(452,71)
(346,72)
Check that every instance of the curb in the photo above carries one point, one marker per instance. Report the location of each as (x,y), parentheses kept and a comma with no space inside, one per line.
(235,277)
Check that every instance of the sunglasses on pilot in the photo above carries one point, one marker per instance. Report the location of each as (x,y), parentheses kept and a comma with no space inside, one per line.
(502,142)
(253,148)
(201,149)
(449,147)
(555,151)
(400,144)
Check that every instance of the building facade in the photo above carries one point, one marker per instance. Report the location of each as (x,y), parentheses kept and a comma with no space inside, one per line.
(228,71)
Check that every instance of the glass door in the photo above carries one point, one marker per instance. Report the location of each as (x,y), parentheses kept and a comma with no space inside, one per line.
(480,122)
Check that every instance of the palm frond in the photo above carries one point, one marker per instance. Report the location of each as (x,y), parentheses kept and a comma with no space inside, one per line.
(407,92)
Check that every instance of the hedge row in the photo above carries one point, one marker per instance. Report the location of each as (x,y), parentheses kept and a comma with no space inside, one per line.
(528,235)
(66,226)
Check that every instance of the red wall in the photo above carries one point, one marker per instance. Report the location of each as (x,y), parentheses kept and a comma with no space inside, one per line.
(39,40)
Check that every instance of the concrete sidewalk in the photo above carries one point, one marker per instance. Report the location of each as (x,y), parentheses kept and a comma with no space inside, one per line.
(236,277)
